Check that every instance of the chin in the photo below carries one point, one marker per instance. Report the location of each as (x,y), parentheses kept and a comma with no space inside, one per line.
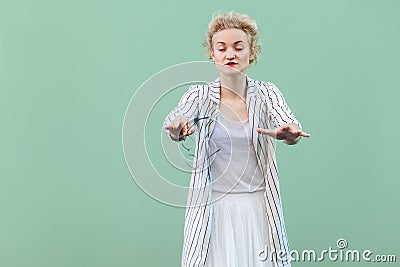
(226,70)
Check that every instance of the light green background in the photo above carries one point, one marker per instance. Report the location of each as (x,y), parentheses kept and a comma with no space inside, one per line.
(69,68)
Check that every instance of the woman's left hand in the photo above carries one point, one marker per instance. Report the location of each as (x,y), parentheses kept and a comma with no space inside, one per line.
(290,133)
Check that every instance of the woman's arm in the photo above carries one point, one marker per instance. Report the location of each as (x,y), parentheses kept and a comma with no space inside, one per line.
(287,127)
(289,133)
(177,123)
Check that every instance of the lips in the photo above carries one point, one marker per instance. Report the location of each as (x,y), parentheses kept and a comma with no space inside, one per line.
(231,64)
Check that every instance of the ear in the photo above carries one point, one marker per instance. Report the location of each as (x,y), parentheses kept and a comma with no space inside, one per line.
(251,54)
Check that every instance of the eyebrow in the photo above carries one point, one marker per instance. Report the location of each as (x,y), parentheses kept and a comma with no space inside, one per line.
(225,43)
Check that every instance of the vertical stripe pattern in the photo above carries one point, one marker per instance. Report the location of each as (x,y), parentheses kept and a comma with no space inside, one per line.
(266,105)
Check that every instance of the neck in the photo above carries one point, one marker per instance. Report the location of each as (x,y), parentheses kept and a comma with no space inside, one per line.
(234,86)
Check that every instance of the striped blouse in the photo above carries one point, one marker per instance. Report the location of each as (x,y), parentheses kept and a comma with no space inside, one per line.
(266,105)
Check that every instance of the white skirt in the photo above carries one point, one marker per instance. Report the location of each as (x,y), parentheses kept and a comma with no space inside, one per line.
(239,231)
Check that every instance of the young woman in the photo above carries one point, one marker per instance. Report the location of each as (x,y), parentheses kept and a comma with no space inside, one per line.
(234,214)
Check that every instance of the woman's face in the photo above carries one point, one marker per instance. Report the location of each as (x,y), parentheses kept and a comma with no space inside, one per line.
(231,51)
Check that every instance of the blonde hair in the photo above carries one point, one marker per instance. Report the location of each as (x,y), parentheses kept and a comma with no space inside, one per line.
(237,21)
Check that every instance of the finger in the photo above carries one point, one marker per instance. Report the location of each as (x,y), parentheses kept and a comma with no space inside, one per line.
(297,132)
(173,136)
(170,127)
(191,129)
(265,131)
(261,131)
(184,129)
(184,122)
(175,124)
(305,134)
(300,133)
(188,127)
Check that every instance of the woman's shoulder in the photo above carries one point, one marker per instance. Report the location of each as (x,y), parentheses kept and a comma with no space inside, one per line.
(205,90)
(201,89)
(196,92)
(261,84)
(266,88)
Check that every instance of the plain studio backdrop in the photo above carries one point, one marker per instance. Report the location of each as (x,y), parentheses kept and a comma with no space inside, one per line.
(68,70)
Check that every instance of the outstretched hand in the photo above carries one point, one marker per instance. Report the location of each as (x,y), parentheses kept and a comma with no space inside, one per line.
(290,133)
(179,128)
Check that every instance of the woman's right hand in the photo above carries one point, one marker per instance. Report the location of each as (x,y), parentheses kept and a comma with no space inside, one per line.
(179,128)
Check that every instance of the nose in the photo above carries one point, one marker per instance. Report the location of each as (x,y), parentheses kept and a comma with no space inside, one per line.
(230,54)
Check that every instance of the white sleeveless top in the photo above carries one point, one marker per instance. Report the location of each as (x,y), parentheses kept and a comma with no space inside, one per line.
(234,167)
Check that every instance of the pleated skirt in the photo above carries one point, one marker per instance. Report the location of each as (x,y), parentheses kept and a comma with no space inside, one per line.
(239,231)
